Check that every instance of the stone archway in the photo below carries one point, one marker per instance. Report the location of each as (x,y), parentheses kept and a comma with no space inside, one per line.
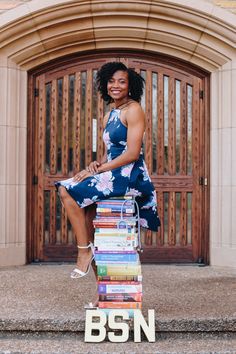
(201,34)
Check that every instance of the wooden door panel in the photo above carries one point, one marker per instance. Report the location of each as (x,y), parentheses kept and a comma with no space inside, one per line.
(68,127)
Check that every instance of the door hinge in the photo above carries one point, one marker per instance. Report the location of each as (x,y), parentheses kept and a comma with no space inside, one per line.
(201,94)
(36,92)
(35,180)
(203,181)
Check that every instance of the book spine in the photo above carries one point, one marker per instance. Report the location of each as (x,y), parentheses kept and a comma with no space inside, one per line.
(115,236)
(119,289)
(113,213)
(119,257)
(116,206)
(120,297)
(115,244)
(115,219)
(115,201)
(110,208)
(104,270)
(119,283)
(120,305)
(119,198)
(120,278)
(113,225)
(116,231)
(117,248)
(129,219)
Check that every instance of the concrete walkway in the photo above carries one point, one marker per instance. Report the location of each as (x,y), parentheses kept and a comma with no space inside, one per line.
(195,310)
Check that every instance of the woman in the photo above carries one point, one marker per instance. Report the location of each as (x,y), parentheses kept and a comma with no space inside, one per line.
(121,171)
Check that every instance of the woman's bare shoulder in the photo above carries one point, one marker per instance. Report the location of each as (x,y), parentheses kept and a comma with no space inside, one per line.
(134,109)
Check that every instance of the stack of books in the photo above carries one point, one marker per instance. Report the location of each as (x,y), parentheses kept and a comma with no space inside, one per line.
(118,266)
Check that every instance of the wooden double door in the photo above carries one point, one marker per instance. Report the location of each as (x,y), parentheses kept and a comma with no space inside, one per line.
(65,134)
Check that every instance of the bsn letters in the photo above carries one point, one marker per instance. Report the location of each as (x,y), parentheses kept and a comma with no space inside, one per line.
(139,322)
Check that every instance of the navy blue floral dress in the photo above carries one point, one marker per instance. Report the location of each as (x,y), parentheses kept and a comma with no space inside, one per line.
(131,179)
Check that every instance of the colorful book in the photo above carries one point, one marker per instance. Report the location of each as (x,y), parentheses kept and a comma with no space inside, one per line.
(114,220)
(117,269)
(118,235)
(115,202)
(105,208)
(120,277)
(116,243)
(110,225)
(131,220)
(119,305)
(113,213)
(120,257)
(118,248)
(114,231)
(118,265)
(125,197)
(120,297)
(119,288)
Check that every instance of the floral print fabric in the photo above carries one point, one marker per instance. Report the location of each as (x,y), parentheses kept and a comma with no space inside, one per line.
(132,179)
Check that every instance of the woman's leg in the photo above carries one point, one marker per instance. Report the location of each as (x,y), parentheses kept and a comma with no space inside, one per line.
(77,219)
(90,213)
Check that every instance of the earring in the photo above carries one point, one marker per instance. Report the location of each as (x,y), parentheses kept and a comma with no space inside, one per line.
(129,93)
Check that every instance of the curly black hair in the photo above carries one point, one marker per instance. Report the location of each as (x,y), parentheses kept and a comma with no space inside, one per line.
(105,73)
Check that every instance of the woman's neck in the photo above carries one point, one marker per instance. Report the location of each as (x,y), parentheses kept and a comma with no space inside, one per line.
(122,103)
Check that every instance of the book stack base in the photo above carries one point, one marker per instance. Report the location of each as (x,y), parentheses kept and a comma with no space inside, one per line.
(116,240)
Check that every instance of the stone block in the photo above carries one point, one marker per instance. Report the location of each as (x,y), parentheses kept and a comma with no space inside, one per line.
(3,154)
(226,156)
(2,215)
(215,140)
(215,216)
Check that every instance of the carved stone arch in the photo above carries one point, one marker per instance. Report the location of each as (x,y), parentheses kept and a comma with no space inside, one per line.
(198,32)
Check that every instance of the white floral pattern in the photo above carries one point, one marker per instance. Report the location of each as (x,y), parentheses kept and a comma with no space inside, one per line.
(145,172)
(126,170)
(134,192)
(103,182)
(68,183)
(88,201)
(152,203)
(124,143)
(106,139)
(143,222)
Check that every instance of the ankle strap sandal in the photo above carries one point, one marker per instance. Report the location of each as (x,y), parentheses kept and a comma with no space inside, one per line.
(78,273)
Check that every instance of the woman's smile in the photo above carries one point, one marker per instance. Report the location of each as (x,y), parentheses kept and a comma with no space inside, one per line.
(118,86)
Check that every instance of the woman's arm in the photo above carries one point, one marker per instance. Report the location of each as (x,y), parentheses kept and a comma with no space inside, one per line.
(135,119)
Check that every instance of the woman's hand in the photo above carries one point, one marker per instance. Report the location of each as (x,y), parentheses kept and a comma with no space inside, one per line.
(79,177)
(93,167)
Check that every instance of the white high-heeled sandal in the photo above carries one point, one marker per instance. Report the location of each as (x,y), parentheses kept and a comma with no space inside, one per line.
(77,273)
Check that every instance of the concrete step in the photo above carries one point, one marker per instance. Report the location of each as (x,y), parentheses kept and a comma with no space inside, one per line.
(73,343)
(78,325)
(42,310)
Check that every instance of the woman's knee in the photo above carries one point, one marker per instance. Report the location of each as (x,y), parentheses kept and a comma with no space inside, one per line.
(63,193)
